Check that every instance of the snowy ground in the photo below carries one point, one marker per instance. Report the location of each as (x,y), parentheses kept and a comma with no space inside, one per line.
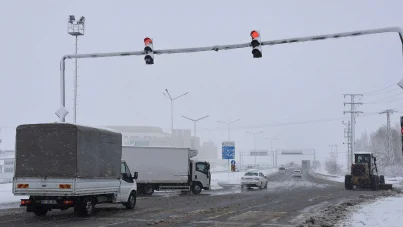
(7,198)
(383,212)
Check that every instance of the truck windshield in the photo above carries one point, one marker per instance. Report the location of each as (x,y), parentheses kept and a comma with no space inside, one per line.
(202,167)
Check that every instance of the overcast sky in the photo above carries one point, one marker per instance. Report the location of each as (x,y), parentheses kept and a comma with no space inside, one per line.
(291,83)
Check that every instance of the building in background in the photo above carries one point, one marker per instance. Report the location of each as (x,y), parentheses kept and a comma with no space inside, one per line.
(6,165)
(150,136)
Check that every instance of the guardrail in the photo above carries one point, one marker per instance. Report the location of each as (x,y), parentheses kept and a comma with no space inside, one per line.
(321,174)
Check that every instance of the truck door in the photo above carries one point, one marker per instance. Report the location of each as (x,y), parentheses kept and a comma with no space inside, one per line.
(126,182)
(202,173)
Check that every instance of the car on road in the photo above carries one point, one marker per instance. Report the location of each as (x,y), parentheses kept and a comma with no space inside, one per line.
(282,170)
(254,179)
(297,173)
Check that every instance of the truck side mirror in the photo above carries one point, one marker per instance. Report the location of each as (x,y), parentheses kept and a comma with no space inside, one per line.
(136,175)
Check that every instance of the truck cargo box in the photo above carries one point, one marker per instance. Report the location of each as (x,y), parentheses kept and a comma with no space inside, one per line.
(62,150)
(159,164)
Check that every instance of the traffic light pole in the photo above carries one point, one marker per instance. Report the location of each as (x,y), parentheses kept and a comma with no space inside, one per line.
(62,111)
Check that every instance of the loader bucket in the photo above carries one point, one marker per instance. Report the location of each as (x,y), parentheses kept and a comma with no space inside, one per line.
(385,186)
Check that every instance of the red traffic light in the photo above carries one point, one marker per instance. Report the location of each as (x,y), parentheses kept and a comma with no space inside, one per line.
(402,130)
(147,41)
(254,34)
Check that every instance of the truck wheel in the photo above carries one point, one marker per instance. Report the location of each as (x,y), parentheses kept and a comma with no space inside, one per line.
(347,182)
(86,207)
(41,211)
(131,201)
(382,179)
(148,189)
(374,183)
(196,188)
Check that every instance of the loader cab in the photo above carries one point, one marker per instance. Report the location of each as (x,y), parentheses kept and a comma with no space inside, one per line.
(362,158)
(364,163)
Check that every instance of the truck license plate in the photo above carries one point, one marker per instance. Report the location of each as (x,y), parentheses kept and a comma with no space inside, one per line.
(48,202)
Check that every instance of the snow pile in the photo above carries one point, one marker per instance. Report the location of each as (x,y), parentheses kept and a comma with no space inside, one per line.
(333,215)
(383,212)
(7,197)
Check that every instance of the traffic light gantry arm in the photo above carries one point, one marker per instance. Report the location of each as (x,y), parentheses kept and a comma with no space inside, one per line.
(216,48)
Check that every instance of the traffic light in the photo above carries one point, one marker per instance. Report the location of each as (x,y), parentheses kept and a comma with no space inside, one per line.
(148,49)
(256,44)
(401,130)
(233,168)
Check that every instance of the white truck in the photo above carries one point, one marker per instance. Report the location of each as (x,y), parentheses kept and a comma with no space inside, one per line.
(60,165)
(167,168)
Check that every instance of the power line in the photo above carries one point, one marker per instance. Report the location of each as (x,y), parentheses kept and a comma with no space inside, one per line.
(376,101)
(375,91)
(383,92)
(393,100)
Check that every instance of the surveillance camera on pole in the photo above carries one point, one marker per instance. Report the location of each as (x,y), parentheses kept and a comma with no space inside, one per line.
(256,44)
(148,49)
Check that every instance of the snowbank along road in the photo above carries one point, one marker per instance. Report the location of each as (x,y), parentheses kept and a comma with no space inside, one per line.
(287,201)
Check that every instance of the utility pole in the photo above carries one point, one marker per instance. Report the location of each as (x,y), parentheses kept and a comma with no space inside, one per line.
(75,28)
(229,129)
(389,151)
(353,113)
(254,141)
(347,135)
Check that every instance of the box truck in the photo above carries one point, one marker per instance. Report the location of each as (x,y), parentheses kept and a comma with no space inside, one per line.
(60,165)
(167,168)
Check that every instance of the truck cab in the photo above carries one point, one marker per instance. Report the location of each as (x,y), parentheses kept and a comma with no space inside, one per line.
(200,176)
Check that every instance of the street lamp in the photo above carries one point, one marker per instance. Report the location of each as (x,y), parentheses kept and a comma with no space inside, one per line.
(195,121)
(172,107)
(271,146)
(254,140)
(75,28)
(228,124)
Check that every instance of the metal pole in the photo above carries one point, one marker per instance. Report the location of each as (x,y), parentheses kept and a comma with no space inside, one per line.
(195,129)
(75,86)
(352,127)
(228,168)
(254,145)
(172,117)
(229,136)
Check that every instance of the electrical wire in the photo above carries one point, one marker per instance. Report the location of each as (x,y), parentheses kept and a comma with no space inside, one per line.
(378,90)
(384,99)
(378,93)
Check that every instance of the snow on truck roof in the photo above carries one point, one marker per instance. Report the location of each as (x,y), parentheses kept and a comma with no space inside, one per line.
(75,124)
(363,152)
